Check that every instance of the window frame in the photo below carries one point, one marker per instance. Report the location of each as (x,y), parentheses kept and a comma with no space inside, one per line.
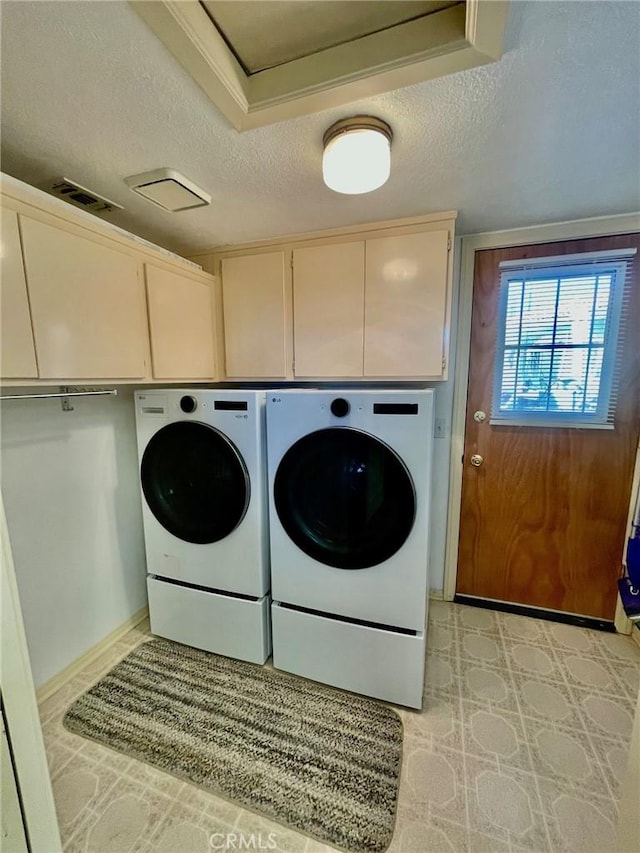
(561,268)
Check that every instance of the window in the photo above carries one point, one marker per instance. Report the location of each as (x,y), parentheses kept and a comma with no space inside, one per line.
(556,357)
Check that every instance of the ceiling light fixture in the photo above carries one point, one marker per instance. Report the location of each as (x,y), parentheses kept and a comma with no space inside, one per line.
(168,189)
(357,155)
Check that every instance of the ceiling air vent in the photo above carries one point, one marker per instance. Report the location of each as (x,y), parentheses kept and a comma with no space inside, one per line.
(168,189)
(81,197)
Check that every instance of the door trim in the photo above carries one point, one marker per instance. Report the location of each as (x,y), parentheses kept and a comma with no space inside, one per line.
(24,730)
(554,232)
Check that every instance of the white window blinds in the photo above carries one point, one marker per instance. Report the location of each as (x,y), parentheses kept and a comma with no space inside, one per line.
(560,328)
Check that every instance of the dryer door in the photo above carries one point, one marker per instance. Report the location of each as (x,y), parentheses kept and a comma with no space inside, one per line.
(345,498)
(195,482)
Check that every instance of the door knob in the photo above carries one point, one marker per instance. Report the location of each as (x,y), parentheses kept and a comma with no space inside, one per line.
(476,460)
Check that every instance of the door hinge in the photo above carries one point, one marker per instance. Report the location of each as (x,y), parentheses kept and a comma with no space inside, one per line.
(291,260)
(448,244)
(444,364)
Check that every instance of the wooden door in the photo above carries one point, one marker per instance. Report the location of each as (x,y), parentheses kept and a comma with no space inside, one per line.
(254,302)
(405,304)
(181,325)
(328,310)
(543,519)
(17,353)
(87,306)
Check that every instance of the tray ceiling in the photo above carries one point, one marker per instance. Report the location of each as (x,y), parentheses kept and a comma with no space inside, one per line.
(264,35)
(264,62)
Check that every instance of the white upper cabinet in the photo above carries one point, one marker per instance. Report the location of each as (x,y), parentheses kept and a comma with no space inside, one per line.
(372,308)
(405,305)
(328,303)
(255,309)
(17,352)
(181,325)
(82,301)
(87,305)
(377,306)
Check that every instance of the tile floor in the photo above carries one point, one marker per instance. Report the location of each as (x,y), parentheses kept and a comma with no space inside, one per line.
(523,736)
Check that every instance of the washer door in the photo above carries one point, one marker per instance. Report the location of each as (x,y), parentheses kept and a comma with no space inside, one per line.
(345,498)
(195,482)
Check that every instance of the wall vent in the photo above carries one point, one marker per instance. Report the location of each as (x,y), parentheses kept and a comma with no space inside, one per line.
(80,196)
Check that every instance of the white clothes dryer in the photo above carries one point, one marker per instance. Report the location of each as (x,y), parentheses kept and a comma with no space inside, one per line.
(349,501)
(203,486)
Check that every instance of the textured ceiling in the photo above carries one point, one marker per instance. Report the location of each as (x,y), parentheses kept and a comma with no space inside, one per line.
(550,132)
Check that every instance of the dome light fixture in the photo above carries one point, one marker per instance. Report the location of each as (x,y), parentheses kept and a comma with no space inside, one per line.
(357,155)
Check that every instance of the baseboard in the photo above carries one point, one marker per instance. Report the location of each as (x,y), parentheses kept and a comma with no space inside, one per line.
(436,595)
(70,671)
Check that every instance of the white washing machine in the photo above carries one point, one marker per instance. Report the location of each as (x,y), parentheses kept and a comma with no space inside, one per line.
(349,498)
(203,485)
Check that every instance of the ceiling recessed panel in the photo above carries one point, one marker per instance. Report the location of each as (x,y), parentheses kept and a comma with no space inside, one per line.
(264,62)
(265,35)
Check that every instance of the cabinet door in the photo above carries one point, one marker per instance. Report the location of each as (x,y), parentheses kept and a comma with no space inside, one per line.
(87,306)
(17,352)
(254,309)
(405,304)
(181,325)
(328,306)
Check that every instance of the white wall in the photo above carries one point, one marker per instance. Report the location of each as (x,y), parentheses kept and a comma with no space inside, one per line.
(440,487)
(70,488)
(442,447)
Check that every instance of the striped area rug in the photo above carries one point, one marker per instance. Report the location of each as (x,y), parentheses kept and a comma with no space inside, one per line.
(319,760)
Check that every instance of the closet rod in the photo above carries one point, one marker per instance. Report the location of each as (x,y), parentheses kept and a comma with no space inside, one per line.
(113,392)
